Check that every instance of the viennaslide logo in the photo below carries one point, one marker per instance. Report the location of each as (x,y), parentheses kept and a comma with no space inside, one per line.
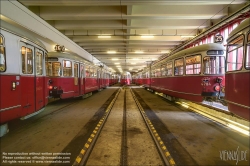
(234,155)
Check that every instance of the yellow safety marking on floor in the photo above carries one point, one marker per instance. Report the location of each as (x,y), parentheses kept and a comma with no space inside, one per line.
(172,161)
(164,147)
(161,142)
(158,138)
(96,128)
(92,135)
(78,159)
(152,128)
(82,151)
(86,145)
(167,154)
(95,131)
(98,125)
(156,134)
(154,131)
(101,120)
(90,140)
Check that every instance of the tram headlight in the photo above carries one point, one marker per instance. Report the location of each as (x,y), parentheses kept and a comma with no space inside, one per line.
(50,87)
(217,88)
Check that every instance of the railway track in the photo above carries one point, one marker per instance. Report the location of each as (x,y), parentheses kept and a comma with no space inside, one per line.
(115,139)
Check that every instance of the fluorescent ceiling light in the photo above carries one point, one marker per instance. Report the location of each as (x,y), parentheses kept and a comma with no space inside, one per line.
(111,52)
(114,59)
(103,36)
(139,52)
(117,63)
(133,63)
(147,36)
(164,51)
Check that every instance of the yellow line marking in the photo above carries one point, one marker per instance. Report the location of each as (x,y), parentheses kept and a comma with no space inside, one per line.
(98,125)
(97,128)
(156,134)
(90,140)
(92,135)
(86,145)
(167,154)
(158,138)
(94,131)
(164,147)
(161,142)
(78,159)
(172,161)
(154,131)
(82,151)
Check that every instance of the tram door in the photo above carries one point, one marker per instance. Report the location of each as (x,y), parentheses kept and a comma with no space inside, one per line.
(39,79)
(27,80)
(82,72)
(76,79)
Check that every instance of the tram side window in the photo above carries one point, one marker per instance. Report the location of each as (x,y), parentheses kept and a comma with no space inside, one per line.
(2,55)
(248,52)
(87,72)
(193,64)
(163,70)
(153,73)
(27,60)
(76,70)
(158,72)
(67,68)
(169,69)
(39,63)
(48,68)
(178,67)
(235,54)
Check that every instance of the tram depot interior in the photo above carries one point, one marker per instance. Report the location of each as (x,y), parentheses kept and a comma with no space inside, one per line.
(191,53)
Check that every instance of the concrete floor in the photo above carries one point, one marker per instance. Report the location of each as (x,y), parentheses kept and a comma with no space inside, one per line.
(190,138)
(205,141)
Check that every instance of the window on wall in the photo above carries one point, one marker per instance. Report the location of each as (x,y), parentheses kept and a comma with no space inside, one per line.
(39,63)
(193,64)
(2,55)
(67,68)
(178,67)
(235,53)
(248,52)
(169,69)
(27,60)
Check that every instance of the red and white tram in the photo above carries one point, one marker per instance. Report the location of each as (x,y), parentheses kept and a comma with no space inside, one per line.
(126,78)
(194,74)
(23,85)
(72,76)
(238,70)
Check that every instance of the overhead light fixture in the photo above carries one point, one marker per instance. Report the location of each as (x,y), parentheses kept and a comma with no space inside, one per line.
(111,52)
(114,59)
(133,63)
(139,52)
(117,63)
(188,36)
(164,51)
(147,36)
(103,36)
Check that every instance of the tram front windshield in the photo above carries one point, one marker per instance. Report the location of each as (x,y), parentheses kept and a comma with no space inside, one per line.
(214,65)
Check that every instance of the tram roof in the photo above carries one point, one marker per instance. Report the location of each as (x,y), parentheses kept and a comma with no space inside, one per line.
(193,50)
(243,25)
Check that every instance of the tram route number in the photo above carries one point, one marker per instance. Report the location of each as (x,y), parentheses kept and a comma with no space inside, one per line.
(32,158)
